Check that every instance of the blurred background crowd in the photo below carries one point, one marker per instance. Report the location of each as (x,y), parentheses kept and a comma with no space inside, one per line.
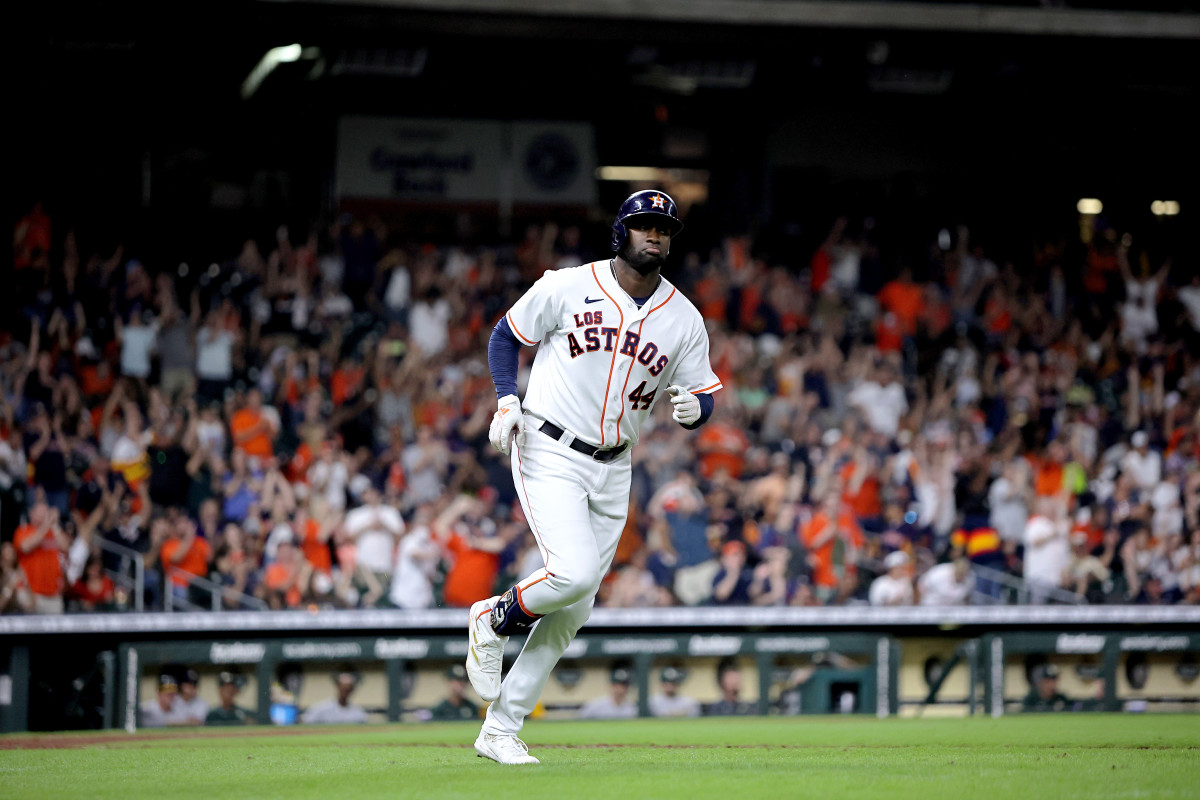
(304,425)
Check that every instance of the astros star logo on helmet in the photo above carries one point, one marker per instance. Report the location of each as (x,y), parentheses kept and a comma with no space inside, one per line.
(657,202)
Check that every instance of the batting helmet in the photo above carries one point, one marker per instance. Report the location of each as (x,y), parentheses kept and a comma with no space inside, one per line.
(645,203)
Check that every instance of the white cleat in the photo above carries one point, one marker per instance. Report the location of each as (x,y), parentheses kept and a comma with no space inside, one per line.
(485,654)
(503,749)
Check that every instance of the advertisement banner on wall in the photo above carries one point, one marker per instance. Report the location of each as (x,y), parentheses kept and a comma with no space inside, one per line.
(553,162)
(465,161)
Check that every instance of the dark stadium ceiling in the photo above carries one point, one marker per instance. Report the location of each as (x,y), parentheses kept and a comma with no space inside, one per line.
(107,81)
(588,57)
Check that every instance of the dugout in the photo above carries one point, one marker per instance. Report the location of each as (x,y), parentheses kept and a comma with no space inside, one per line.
(89,670)
(872,685)
(1108,670)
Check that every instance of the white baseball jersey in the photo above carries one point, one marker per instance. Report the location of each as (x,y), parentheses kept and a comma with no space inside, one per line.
(603,361)
(602,364)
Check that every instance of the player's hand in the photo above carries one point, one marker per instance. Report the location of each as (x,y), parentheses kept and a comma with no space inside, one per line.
(686,405)
(507,417)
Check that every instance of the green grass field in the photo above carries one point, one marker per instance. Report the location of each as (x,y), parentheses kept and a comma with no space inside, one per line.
(1032,756)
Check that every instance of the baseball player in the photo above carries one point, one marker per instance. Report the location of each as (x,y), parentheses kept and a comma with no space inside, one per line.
(615,338)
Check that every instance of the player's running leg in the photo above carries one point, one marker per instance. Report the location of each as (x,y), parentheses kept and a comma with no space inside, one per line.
(552,483)
(519,693)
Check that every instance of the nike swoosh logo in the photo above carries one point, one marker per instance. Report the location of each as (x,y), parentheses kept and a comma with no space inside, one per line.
(590,300)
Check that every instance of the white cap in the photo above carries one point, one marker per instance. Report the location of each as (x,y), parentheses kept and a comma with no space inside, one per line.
(321,583)
(1164,495)
(85,348)
(896,559)
(1140,439)
(768,345)
(359,484)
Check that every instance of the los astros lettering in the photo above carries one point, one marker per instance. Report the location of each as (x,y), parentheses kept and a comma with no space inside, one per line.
(591,344)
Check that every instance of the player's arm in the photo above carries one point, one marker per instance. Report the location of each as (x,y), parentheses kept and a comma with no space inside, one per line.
(690,410)
(529,319)
(693,383)
(503,347)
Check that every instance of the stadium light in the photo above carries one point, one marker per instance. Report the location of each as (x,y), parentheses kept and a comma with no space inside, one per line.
(673,175)
(627,173)
(270,60)
(1164,208)
(1089,205)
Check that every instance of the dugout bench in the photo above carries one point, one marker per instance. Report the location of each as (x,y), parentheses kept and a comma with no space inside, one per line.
(1103,650)
(875,682)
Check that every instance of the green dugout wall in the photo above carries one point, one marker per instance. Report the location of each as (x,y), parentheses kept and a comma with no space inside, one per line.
(876,680)
(1101,651)
(881,653)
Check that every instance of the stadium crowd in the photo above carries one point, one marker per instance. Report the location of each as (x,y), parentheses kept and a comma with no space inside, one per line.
(305,425)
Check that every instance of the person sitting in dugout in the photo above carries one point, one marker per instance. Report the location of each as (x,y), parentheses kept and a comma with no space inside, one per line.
(229,713)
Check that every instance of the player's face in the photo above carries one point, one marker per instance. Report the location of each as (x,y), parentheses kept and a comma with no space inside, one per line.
(648,244)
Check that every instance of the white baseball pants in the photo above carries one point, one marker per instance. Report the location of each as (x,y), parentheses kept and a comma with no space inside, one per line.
(576,508)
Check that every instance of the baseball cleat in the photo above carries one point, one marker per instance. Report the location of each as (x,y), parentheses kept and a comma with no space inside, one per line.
(503,749)
(485,653)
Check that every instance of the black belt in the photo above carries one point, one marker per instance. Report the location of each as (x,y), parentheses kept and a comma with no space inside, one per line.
(603,455)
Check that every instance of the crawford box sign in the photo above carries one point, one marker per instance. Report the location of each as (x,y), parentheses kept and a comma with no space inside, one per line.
(465,161)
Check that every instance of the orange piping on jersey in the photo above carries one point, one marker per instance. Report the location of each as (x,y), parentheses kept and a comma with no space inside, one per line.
(627,374)
(520,589)
(522,605)
(613,363)
(626,386)
(717,385)
(663,303)
(548,574)
(537,536)
(513,325)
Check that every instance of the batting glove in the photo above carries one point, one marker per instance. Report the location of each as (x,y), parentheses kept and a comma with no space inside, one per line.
(506,418)
(687,405)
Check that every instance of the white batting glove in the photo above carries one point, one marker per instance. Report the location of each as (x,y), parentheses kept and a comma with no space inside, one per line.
(507,417)
(687,405)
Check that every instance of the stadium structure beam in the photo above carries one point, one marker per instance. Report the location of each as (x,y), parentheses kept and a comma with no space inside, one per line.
(625,619)
(964,18)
